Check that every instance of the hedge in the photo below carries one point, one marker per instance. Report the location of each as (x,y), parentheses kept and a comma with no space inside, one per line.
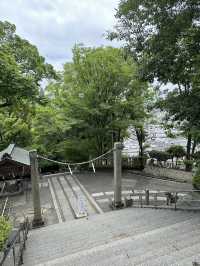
(196,178)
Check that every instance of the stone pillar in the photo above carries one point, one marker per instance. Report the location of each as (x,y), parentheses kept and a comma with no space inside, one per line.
(118,175)
(37,219)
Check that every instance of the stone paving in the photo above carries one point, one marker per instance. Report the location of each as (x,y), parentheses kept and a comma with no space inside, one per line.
(102,181)
(22,205)
(125,237)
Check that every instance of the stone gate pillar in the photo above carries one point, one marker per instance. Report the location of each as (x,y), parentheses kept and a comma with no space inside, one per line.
(37,219)
(118,146)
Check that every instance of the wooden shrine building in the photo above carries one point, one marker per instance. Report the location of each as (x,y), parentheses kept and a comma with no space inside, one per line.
(14,163)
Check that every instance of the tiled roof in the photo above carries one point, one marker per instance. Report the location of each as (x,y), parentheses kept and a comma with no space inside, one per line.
(17,154)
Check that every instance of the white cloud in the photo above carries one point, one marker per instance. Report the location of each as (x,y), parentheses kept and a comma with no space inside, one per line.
(55,26)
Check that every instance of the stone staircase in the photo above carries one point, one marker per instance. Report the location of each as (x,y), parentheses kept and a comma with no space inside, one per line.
(71,201)
(125,237)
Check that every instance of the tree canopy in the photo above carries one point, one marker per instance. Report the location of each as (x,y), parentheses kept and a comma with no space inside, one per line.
(22,71)
(164,36)
(21,68)
(97,98)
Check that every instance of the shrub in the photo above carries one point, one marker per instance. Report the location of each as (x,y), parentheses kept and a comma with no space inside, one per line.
(188,164)
(161,156)
(197,155)
(196,179)
(5,229)
(47,166)
(139,162)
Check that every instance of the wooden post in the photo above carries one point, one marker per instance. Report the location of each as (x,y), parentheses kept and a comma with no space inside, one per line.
(118,175)
(37,219)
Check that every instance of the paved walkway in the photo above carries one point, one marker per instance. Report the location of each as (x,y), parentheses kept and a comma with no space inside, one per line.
(122,238)
(100,185)
(102,181)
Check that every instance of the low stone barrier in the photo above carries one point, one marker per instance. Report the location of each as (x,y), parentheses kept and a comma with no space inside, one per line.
(175,174)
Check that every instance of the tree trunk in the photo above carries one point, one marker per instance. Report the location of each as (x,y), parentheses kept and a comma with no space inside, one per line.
(194,147)
(188,152)
(139,134)
(119,135)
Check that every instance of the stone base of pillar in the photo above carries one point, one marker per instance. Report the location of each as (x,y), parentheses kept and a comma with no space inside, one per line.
(36,223)
(116,205)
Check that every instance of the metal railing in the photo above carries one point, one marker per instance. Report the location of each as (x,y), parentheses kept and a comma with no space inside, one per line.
(194,263)
(185,199)
(3,187)
(15,246)
(4,209)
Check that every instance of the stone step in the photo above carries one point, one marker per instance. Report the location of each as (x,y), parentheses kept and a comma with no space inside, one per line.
(121,249)
(168,252)
(138,217)
(115,220)
(175,257)
(62,202)
(70,238)
(189,260)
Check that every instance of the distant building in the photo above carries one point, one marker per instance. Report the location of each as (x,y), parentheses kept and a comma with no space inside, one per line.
(14,163)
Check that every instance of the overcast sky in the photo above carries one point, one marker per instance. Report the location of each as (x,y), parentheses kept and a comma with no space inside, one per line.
(54,26)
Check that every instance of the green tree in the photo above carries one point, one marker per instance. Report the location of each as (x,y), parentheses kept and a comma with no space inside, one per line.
(107,94)
(139,134)
(183,111)
(163,36)
(176,151)
(160,156)
(21,68)
(96,99)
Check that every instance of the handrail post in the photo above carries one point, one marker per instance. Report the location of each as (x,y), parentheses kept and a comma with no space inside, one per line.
(14,259)
(176,195)
(37,219)
(147,196)
(140,199)
(155,200)
(118,146)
